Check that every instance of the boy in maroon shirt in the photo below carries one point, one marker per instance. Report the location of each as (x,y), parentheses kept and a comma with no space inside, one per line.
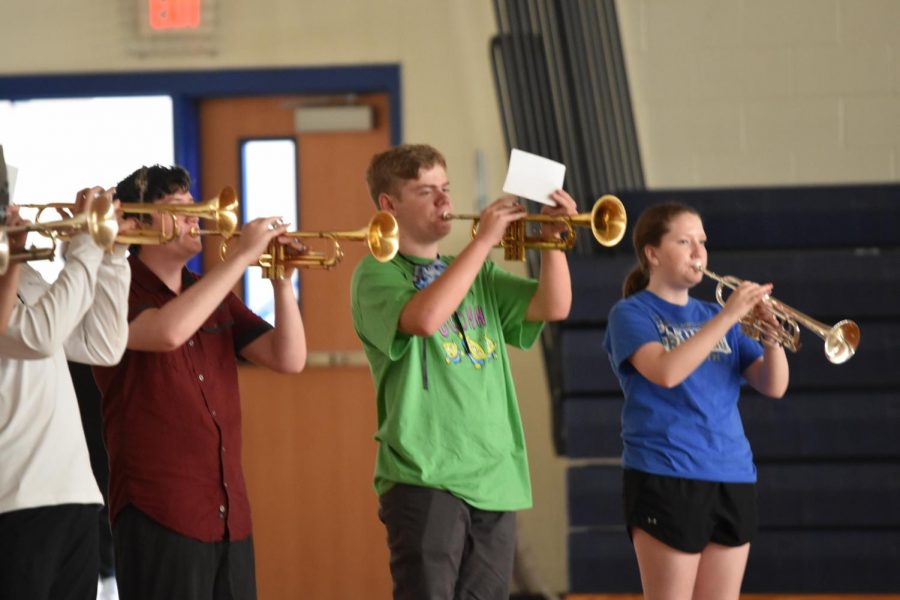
(171,408)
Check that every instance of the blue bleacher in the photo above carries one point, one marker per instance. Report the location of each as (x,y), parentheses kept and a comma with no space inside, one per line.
(825,424)
(830,495)
(786,561)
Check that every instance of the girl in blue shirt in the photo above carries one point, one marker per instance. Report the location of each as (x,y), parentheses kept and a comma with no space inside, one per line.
(689,479)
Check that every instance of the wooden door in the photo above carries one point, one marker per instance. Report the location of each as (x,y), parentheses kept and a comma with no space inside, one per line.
(308,438)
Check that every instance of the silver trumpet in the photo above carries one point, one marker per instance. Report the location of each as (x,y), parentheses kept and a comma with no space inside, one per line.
(841,339)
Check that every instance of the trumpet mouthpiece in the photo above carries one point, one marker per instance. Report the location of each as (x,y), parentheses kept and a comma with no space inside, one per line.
(446,216)
(698,266)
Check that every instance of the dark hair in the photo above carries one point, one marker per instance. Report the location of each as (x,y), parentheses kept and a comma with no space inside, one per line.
(649,230)
(389,169)
(149,184)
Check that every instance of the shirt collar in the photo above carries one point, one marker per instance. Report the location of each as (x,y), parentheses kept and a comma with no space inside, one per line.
(147,279)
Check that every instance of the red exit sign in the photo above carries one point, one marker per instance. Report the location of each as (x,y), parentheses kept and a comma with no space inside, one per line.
(174,14)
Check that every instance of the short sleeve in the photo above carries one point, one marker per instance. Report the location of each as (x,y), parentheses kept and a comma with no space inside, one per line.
(513,295)
(247,326)
(139,300)
(379,292)
(749,350)
(629,327)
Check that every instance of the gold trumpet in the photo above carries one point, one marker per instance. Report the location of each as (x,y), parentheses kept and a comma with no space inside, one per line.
(381,236)
(221,210)
(607,221)
(99,221)
(841,339)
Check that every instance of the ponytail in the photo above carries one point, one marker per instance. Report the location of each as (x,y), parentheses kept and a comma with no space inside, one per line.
(636,281)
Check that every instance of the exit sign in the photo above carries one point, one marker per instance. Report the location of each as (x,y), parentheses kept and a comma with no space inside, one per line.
(172,27)
(174,14)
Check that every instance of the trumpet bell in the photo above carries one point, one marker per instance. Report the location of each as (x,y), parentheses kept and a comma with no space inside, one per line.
(101,222)
(841,341)
(223,210)
(383,236)
(608,220)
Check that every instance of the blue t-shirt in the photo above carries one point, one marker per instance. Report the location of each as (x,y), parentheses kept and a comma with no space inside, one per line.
(694,429)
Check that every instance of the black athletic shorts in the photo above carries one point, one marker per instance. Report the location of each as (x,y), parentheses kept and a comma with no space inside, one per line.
(687,514)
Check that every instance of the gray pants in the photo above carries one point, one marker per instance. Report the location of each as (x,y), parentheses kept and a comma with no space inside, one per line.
(444,549)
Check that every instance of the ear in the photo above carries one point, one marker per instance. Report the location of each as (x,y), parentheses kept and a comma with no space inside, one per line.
(650,254)
(386,202)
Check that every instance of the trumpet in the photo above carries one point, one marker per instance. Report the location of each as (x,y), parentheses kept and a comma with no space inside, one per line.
(607,221)
(221,210)
(381,236)
(841,339)
(99,220)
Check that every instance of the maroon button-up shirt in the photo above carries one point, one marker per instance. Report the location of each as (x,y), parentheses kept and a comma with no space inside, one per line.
(172,420)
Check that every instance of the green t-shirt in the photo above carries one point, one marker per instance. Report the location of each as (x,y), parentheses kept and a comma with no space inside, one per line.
(462,432)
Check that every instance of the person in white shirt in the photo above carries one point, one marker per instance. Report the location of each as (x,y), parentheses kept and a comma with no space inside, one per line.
(9,283)
(48,496)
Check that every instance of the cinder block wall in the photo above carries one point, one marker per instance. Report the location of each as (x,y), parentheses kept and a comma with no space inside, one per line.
(758,92)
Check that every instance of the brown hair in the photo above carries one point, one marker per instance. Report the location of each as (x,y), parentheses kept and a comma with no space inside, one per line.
(649,230)
(389,169)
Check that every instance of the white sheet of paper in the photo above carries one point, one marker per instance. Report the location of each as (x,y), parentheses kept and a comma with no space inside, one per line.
(11,172)
(533,177)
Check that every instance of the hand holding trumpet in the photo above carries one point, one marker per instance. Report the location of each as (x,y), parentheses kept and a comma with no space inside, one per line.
(255,237)
(565,207)
(292,249)
(496,217)
(746,299)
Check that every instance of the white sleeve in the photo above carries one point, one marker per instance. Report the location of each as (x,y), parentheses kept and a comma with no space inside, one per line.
(102,334)
(47,315)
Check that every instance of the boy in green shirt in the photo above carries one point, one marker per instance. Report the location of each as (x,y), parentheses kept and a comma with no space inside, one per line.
(451,463)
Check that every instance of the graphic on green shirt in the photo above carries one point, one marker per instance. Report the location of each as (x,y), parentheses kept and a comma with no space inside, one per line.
(481,348)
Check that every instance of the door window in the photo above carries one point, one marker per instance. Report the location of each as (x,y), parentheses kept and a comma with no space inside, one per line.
(269,176)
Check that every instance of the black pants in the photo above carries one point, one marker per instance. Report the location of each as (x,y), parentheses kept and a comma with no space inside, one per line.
(444,549)
(89,403)
(155,563)
(49,552)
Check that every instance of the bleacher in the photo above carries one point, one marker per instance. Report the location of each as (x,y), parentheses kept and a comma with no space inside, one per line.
(828,453)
